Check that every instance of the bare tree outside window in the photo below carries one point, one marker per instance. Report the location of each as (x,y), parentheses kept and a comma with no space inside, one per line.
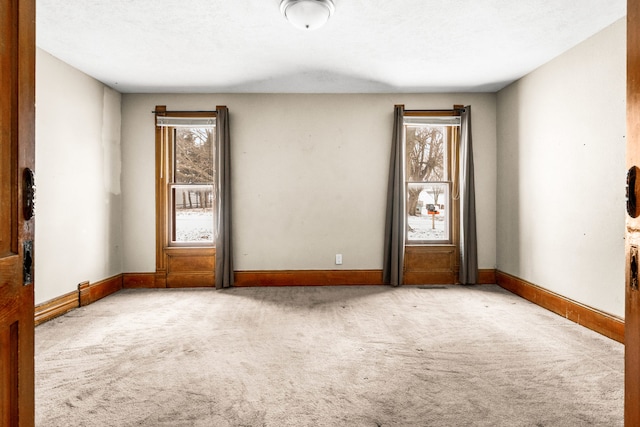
(425,159)
(193,191)
(428,185)
(193,155)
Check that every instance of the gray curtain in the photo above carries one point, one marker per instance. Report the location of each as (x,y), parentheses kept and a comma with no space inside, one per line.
(468,240)
(393,266)
(224,248)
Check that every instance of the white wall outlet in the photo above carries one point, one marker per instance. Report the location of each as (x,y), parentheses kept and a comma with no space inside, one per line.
(338,259)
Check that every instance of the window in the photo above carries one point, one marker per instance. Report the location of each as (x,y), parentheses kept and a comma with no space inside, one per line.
(187,179)
(191,186)
(430,176)
(186,192)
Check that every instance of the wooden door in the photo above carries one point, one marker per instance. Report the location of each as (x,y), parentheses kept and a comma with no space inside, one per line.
(17,124)
(632,315)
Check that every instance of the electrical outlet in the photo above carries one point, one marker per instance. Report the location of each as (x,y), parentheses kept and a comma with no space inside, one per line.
(338,259)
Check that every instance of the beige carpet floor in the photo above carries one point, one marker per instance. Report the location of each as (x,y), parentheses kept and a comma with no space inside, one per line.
(324,356)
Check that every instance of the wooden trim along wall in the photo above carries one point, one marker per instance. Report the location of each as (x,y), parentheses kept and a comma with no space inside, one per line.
(603,323)
(487,277)
(86,294)
(307,278)
(143,280)
(598,321)
(90,293)
(338,277)
(56,307)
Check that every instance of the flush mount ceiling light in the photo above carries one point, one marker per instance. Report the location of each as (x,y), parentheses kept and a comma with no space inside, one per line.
(307,14)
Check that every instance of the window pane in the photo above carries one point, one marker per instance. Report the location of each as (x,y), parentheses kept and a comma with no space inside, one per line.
(426,153)
(193,159)
(193,207)
(428,212)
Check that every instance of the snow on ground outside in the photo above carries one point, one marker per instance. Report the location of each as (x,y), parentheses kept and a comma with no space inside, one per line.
(422,227)
(194,225)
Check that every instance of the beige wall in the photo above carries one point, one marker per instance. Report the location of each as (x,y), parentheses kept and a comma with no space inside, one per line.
(561,148)
(309,175)
(78,198)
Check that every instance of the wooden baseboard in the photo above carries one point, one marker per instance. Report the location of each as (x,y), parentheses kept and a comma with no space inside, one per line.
(92,292)
(86,294)
(56,307)
(487,277)
(307,278)
(344,277)
(430,278)
(598,321)
(141,280)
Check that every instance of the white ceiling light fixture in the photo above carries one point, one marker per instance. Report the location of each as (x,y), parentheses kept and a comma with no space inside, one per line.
(307,14)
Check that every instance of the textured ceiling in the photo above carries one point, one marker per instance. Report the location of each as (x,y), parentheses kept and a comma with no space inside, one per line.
(368,46)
